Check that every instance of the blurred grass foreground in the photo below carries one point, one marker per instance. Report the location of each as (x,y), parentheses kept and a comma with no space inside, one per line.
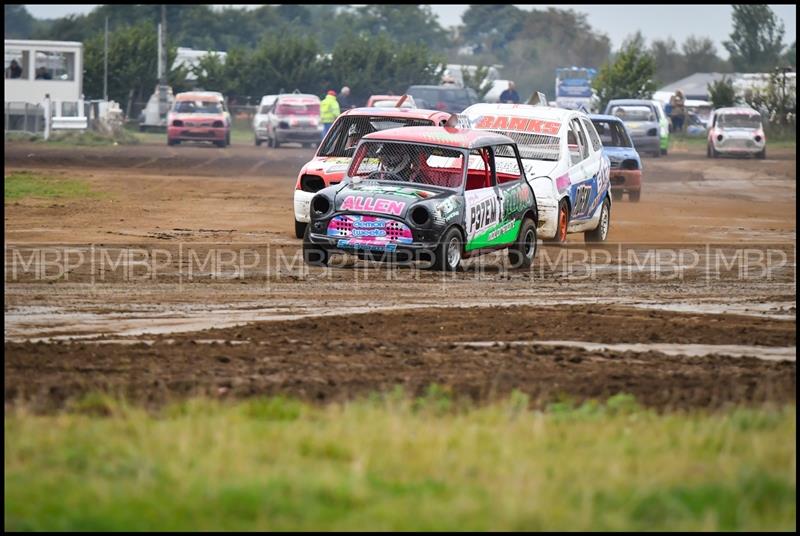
(397,463)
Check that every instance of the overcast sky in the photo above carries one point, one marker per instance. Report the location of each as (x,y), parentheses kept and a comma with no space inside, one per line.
(616,21)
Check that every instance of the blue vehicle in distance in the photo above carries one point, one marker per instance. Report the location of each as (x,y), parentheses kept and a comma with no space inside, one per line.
(626,166)
(574,88)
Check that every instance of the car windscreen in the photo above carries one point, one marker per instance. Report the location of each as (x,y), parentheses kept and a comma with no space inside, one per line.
(739,121)
(456,97)
(410,163)
(198,107)
(633,113)
(297,109)
(611,133)
(264,109)
(348,131)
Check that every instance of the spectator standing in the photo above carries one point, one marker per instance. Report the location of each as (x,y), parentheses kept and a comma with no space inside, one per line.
(510,95)
(678,111)
(328,111)
(344,99)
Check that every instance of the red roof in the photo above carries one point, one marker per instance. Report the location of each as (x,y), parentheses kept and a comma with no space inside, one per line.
(409,113)
(453,137)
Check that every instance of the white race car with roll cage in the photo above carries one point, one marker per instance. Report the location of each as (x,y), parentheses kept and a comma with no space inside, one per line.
(564,162)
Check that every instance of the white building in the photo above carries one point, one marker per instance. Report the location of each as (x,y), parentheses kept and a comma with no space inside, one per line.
(46,67)
(35,70)
(190,58)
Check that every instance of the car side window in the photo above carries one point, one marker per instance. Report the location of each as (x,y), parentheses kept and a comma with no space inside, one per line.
(479,173)
(595,139)
(506,164)
(578,149)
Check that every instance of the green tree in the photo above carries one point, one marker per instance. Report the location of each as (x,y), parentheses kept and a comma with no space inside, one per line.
(211,74)
(777,101)
(132,65)
(19,23)
(629,76)
(403,23)
(477,80)
(701,56)
(491,27)
(371,65)
(722,93)
(281,62)
(670,63)
(790,56)
(757,38)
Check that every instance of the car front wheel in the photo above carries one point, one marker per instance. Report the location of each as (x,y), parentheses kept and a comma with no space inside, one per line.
(313,255)
(523,251)
(449,251)
(299,229)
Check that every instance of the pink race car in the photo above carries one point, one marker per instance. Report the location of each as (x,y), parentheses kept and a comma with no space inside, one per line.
(199,116)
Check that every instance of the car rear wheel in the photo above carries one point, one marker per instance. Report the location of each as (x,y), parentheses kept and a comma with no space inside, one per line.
(299,229)
(258,142)
(562,224)
(762,154)
(522,253)
(313,255)
(449,252)
(220,144)
(228,138)
(634,195)
(664,152)
(616,195)
(600,233)
(172,142)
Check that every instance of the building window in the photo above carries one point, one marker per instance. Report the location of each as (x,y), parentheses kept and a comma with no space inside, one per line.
(55,65)
(16,64)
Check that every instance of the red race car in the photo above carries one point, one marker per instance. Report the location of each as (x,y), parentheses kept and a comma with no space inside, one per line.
(199,116)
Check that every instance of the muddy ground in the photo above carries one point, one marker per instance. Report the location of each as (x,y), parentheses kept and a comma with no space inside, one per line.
(182,276)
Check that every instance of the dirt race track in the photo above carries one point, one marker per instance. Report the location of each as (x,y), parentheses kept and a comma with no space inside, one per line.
(182,276)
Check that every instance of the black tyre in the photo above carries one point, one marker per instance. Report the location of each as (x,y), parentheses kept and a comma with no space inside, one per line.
(220,144)
(714,152)
(600,233)
(616,195)
(172,142)
(522,253)
(228,138)
(258,142)
(299,229)
(562,225)
(449,252)
(634,195)
(273,142)
(313,255)
(762,154)
(664,152)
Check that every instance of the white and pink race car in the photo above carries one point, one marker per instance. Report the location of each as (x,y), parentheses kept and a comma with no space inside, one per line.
(736,131)
(564,163)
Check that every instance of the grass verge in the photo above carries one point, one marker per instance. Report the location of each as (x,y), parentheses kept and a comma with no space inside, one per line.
(394,463)
(22,184)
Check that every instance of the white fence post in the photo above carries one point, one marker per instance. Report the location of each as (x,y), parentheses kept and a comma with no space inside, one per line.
(47,112)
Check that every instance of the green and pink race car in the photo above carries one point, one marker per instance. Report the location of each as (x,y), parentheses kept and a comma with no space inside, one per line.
(427,194)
